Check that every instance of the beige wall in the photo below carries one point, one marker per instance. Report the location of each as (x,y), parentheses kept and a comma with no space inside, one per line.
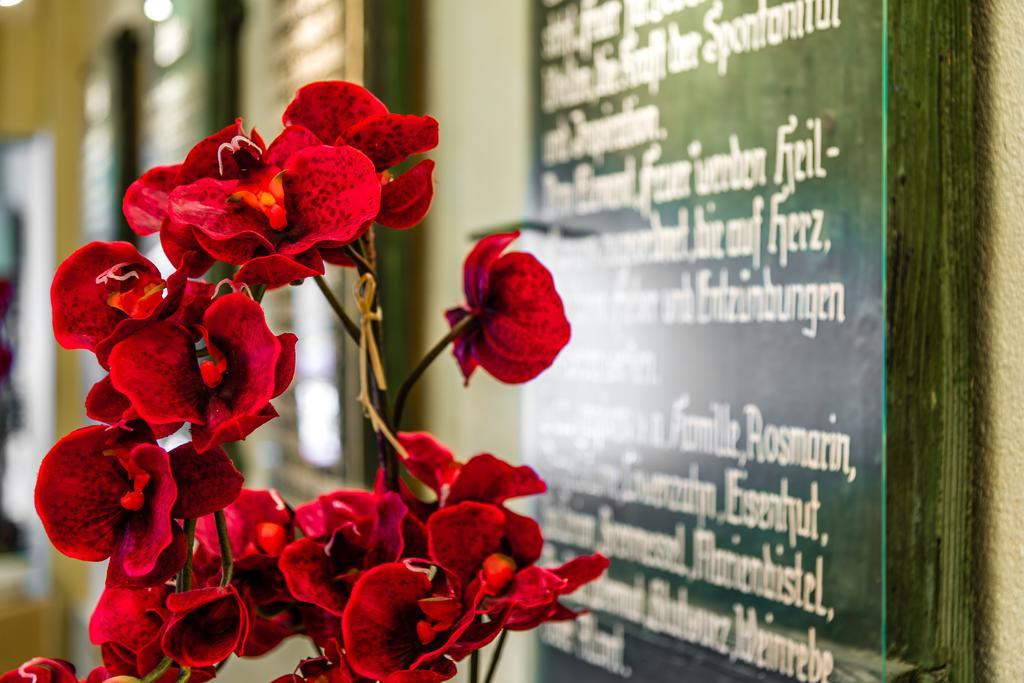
(478,88)
(1001,308)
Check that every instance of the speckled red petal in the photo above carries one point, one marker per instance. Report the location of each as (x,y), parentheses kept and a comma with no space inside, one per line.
(229,231)
(78,494)
(328,108)
(488,479)
(148,531)
(206,626)
(207,482)
(331,196)
(308,573)
(379,624)
(278,270)
(291,140)
(405,201)
(464,535)
(145,202)
(390,139)
(156,369)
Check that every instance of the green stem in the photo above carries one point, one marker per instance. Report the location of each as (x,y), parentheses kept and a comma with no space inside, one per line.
(184,675)
(227,563)
(493,668)
(421,367)
(350,327)
(159,671)
(185,575)
(474,667)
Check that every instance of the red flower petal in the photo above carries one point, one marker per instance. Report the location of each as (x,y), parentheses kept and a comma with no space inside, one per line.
(168,563)
(223,427)
(390,139)
(156,369)
(405,201)
(429,460)
(78,495)
(229,231)
(148,531)
(206,626)
(291,140)
(331,195)
(145,202)
(328,108)
(524,538)
(207,482)
(379,625)
(179,243)
(81,315)
(285,369)
(487,479)
(238,327)
(130,618)
(464,535)
(310,577)
(106,404)
(277,270)
(477,267)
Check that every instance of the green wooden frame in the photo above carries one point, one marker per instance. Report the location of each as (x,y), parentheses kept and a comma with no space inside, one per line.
(931,361)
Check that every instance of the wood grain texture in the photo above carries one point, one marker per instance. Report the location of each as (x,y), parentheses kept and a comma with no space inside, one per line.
(932,432)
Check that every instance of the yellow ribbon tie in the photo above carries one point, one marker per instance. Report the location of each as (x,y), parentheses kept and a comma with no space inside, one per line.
(369,357)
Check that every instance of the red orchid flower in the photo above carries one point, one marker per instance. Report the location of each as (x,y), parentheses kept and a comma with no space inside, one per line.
(105,291)
(226,155)
(225,394)
(101,494)
(346,533)
(403,616)
(128,625)
(341,113)
(260,525)
(206,625)
(272,220)
(518,323)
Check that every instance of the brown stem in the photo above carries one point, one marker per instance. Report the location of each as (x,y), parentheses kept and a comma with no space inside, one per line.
(493,668)
(350,327)
(474,667)
(227,563)
(421,367)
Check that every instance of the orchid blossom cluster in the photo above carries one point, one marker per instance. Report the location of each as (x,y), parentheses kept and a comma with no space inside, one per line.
(396,584)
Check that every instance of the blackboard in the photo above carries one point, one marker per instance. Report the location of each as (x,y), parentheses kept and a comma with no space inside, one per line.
(710,175)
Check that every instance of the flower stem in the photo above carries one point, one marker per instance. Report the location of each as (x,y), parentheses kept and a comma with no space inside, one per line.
(493,668)
(350,327)
(184,675)
(378,394)
(421,367)
(159,671)
(227,563)
(474,667)
(185,575)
